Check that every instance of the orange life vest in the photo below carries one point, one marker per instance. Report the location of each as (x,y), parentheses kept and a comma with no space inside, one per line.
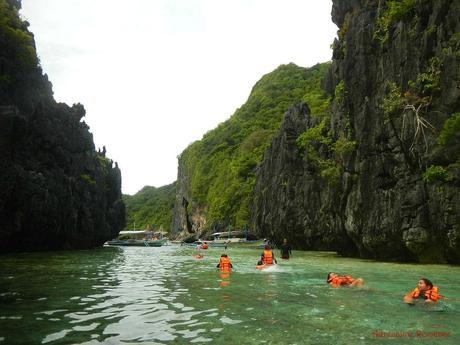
(268,257)
(431,294)
(341,280)
(224,264)
(205,246)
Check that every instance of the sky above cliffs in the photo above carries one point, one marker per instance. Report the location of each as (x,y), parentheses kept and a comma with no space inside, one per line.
(155,75)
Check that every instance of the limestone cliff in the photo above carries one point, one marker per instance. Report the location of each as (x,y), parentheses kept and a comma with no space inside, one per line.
(379,178)
(216,175)
(56,191)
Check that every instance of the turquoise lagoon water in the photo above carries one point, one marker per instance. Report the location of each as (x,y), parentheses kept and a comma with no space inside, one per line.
(116,295)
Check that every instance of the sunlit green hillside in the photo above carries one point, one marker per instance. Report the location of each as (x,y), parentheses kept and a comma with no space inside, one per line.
(221,166)
(150,206)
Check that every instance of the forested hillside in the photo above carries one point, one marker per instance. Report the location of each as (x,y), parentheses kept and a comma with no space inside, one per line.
(217,173)
(150,207)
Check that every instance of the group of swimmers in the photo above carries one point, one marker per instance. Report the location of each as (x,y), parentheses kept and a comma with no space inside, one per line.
(424,292)
(267,258)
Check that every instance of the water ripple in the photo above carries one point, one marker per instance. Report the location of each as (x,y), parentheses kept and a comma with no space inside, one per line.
(163,295)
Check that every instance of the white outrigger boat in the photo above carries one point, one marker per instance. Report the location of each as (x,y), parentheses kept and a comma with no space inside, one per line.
(137,238)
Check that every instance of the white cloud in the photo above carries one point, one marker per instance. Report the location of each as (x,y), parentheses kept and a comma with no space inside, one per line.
(155,75)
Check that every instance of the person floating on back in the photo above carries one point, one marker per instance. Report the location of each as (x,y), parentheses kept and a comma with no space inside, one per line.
(424,292)
(224,263)
(198,254)
(285,250)
(335,280)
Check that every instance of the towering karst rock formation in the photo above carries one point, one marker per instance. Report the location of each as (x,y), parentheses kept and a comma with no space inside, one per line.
(379,178)
(56,191)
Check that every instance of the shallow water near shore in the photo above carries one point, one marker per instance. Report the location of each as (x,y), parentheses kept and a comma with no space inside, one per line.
(132,295)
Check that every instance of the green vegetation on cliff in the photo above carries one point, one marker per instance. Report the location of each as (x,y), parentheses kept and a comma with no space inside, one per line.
(450,132)
(16,40)
(221,166)
(17,46)
(20,72)
(412,118)
(396,10)
(150,206)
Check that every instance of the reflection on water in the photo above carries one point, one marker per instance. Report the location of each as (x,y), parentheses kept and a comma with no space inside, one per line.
(164,295)
(224,279)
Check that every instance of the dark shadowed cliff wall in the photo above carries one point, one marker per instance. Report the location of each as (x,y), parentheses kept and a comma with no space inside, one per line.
(379,178)
(56,191)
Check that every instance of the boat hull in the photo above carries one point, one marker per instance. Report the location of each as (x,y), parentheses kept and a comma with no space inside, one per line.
(135,243)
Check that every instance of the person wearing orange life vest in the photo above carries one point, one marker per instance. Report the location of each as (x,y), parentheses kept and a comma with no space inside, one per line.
(267,257)
(224,263)
(425,292)
(335,280)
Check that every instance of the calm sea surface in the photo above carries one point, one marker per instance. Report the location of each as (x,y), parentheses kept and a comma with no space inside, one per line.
(133,295)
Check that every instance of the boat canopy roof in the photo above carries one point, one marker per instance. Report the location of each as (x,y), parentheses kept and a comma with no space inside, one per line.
(226,233)
(134,232)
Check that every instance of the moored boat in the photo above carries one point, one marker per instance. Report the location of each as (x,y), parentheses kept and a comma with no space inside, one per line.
(211,244)
(136,239)
(135,243)
(253,244)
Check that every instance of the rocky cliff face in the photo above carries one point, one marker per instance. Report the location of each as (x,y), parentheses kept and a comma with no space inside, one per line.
(186,222)
(56,191)
(216,176)
(380,177)
(291,200)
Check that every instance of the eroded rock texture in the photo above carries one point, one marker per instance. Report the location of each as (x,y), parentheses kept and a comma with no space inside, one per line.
(394,194)
(56,191)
